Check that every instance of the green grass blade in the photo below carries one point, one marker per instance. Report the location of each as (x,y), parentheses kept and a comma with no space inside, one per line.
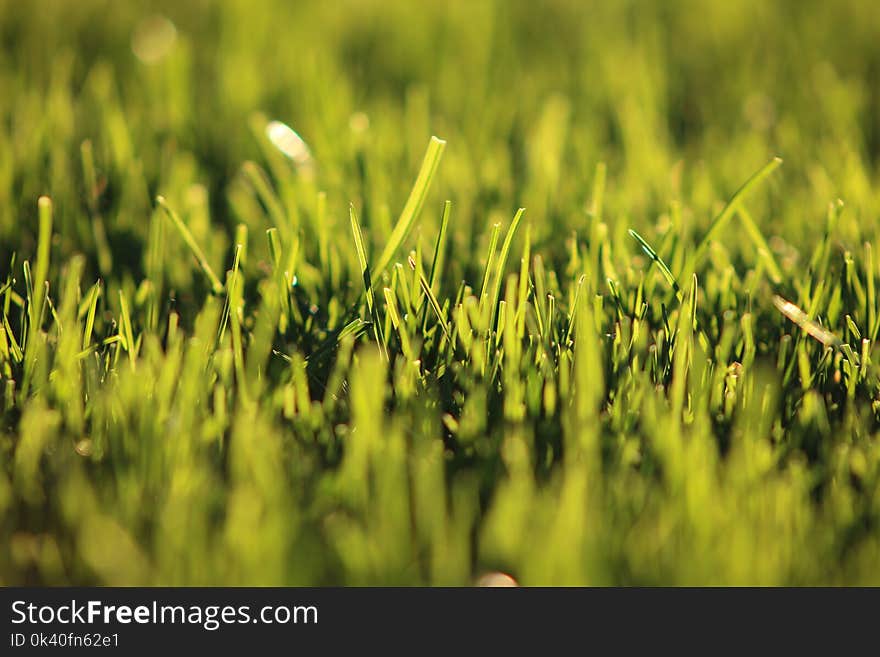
(41,266)
(652,254)
(94,294)
(125,327)
(871,291)
(490,260)
(362,257)
(397,322)
(432,300)
(760,243)
(367,278)
(261,185)
(440,246)
(413,204)
(733,205)
(14,347)
(216,285)
(231,283)
(502,262)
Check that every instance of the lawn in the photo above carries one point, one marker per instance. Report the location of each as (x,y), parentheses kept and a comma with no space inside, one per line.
(380,293)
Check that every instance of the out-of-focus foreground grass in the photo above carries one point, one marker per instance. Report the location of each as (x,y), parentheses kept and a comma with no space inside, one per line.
(201,391)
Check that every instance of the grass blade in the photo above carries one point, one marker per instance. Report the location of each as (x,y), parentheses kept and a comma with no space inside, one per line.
(440,246)
(125,326)
(365,272)
(413,204)
(231,283)
(760,243)
(426,288)
(502,261)
(490,260)
(652,254)
(17,354)
(733,205)
(41,266)
(94,294)
(216,285)
(394,313)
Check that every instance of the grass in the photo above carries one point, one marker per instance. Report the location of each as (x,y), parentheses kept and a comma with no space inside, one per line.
(254,333)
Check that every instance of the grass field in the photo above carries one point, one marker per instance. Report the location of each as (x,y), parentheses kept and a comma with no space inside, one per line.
(234,354)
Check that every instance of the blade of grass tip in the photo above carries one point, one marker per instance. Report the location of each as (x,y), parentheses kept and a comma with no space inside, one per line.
(241,240)
(439,253)
(362,257)
(652,254)
(574,307)
(365,272)
(41,266)
(393,312)
(490,258)
(415,299)
(17,354)
(799,317)
(502,262)
(125,326)
(233,303)
(94,293)
(282,356)
(292,261)
(231,282)
(761,244)
(400,282)
(539,294)
(413,204)
(29,298)
(52,310)
(615,295)
(274,246)
(432,300)
(216,286)
(733,204)
(440,246)
(281,277)
(4,353)
(354,327)
(847,351)
(682,356)
(851,325)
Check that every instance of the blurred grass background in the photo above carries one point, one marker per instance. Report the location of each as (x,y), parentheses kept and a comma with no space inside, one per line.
(753,461)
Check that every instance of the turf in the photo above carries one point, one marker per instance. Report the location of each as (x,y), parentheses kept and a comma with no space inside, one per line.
(260,327)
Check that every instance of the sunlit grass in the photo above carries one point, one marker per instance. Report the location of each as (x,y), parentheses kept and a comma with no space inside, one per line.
(255,333)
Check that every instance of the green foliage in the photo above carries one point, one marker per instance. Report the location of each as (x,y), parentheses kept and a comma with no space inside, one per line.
(664,374)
